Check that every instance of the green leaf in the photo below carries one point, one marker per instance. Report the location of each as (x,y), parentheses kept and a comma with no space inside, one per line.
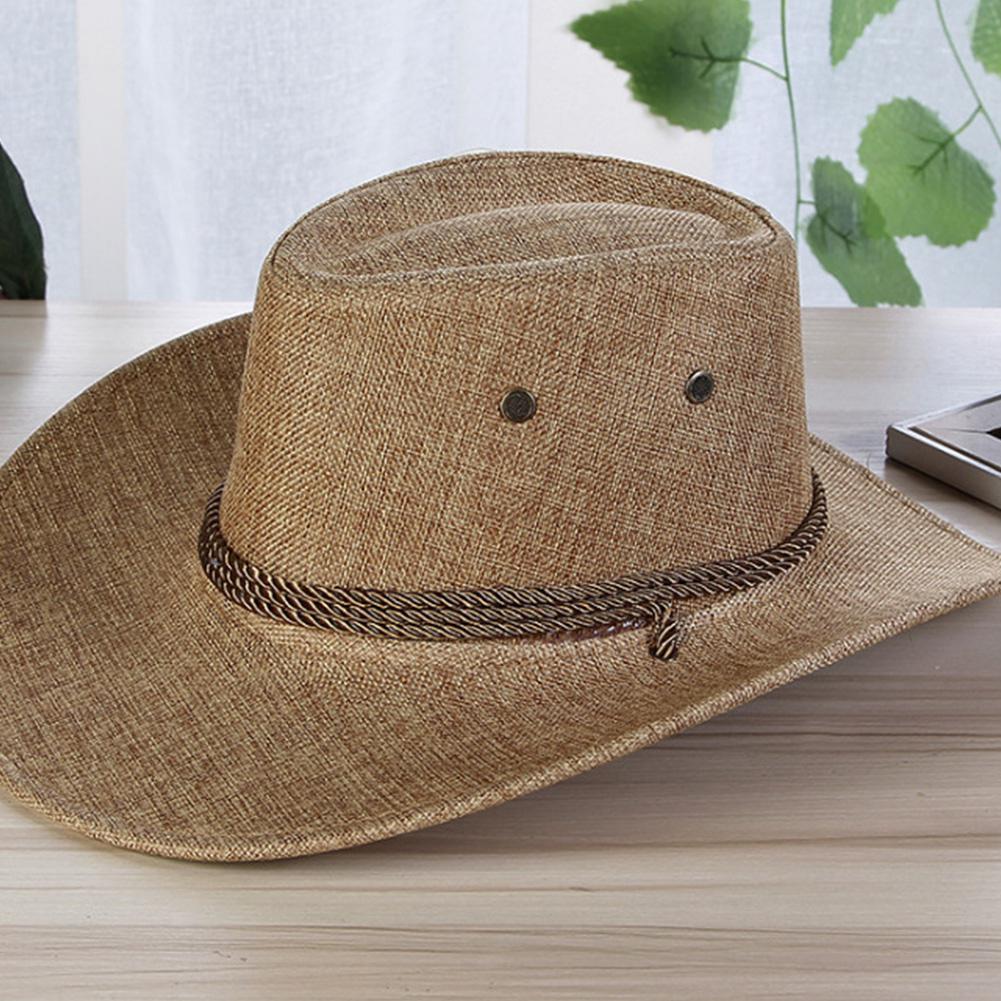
(848,236)
(849,18)
(683,56)
(22,265)
(924,182)
(987,35)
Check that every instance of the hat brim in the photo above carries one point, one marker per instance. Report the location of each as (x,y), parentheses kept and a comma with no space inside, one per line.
(140,707)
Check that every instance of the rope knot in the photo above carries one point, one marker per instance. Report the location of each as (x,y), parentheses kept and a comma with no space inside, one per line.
(665,632)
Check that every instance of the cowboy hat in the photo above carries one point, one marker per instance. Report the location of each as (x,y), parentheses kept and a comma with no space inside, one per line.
(506,475)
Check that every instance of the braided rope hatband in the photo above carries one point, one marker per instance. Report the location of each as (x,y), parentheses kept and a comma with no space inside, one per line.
(501,612)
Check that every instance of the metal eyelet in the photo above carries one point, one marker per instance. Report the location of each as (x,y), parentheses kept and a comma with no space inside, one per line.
(700,386)
(518,405)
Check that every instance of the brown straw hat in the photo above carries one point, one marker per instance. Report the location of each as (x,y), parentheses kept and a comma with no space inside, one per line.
(517,480)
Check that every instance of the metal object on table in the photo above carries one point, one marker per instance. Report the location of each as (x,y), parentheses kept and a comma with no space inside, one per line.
(960,446)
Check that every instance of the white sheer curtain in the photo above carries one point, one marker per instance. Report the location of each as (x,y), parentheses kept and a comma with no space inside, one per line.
(243,114)
(237,117)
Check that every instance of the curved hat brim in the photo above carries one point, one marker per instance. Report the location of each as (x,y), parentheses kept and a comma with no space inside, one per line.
(141,708)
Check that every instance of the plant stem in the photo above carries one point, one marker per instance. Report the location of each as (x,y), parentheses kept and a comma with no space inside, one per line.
(763,66)
(942,146)
(710,58)
(978,110)
(792,117)
(966,76)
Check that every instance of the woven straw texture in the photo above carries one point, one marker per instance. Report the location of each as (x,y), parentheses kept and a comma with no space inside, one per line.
(142,707)
(390,321)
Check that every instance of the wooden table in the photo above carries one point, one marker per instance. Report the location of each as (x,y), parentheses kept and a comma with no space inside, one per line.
(838,839)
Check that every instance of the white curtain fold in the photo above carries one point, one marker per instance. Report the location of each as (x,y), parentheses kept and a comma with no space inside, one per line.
(243,115)
(239,116)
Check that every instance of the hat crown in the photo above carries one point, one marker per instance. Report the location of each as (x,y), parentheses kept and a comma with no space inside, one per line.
(372,448)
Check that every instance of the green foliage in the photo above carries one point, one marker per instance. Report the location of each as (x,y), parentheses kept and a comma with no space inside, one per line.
(683,56)
(987,35)
(684,59)
(849,18)
(22,266)
(924,182)
(848,237)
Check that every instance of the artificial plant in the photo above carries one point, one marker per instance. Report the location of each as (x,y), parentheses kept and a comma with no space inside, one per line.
(684,59)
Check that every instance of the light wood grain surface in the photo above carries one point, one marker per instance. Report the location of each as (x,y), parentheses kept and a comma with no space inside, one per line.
(838,839)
